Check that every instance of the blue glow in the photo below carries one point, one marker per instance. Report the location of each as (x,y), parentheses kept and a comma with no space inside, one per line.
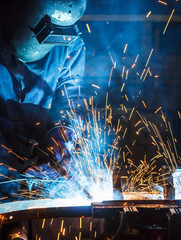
(91,168)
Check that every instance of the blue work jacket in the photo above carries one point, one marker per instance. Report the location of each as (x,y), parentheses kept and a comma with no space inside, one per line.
(38,94)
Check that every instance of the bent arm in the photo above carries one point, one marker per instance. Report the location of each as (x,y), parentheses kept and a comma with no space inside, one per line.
(68,100)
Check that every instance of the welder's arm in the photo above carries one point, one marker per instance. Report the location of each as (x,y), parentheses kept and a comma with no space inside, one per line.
(60,142)
(67,104)
(69,93)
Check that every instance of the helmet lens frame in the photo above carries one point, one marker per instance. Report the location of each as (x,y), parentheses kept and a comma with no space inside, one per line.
(48,33)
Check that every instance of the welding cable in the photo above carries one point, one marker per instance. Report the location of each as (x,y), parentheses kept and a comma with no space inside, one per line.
(119,227)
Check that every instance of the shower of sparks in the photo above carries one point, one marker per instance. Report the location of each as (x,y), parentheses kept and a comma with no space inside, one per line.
(95,159)
(145,178)
(141,179)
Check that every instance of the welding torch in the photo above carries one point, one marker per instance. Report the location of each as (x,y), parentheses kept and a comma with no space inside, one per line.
(33,152)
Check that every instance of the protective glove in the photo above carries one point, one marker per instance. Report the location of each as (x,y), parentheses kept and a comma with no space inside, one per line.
(59,143)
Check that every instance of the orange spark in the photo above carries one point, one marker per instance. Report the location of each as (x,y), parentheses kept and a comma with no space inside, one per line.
(162,2)
(169,20)
(125,48)
(43,223)
(148,14)
(95,86)
(144,104)
(158,110)
(88,28)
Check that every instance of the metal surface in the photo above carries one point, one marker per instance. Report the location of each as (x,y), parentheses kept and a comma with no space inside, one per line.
(57,208)
(140,219)
(39,209)
(110,207)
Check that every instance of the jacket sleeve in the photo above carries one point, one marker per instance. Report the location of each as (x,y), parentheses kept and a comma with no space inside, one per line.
(70,91)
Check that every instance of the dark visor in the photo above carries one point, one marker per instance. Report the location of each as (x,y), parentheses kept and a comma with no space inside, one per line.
(48,33)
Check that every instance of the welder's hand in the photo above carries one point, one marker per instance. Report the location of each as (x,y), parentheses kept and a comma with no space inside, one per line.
(60,143)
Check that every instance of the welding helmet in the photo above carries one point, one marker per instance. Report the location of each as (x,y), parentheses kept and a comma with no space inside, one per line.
(32,27)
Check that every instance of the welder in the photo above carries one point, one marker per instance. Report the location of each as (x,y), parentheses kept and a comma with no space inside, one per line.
(42,61)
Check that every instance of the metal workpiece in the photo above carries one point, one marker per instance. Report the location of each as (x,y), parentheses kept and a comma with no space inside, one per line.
(167,182)
(133,217)
(174,219)
(44,212)
(134,206)
(57,208)
(123,218)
